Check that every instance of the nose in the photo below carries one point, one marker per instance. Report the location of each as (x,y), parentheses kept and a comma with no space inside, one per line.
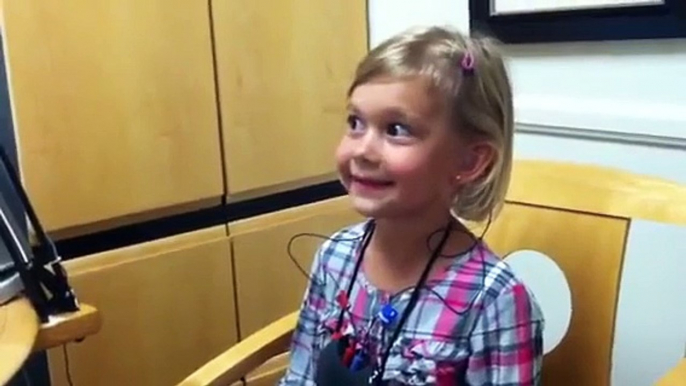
(368,147)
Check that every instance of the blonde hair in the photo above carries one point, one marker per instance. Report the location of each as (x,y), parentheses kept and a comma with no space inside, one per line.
(480,101)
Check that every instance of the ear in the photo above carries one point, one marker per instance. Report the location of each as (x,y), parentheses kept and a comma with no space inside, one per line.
(476,159)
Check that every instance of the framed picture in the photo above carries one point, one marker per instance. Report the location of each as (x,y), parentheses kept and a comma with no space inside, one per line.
(539,21)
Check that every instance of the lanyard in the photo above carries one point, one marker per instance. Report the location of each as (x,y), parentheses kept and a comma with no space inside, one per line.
(369,230)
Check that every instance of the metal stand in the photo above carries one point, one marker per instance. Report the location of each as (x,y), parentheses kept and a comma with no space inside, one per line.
(44,279)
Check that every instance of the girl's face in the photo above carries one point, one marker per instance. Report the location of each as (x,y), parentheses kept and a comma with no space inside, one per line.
(399,156)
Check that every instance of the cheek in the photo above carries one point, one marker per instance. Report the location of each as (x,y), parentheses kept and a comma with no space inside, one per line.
(412,168)
(408,167)
(343,154)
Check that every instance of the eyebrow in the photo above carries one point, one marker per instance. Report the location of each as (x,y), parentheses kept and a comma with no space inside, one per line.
(351,107)
(395,112)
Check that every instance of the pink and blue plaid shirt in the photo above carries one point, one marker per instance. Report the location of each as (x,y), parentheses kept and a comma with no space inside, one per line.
(466,329)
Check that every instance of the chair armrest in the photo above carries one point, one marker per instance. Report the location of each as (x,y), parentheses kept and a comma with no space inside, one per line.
(246,355)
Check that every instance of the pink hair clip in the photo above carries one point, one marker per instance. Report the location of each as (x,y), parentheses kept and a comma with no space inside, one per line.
(467,63)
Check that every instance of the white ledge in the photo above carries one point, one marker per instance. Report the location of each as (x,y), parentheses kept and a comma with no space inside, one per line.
(632,118)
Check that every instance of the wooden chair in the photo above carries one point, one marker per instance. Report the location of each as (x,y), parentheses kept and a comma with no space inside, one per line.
(595,224)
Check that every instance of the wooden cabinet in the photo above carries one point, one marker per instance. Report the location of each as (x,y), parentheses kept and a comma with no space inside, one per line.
(589,249)
(114,105)
(268,284)
(167,307)
(283,69)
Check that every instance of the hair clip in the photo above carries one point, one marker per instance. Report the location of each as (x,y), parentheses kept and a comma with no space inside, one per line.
(467,63)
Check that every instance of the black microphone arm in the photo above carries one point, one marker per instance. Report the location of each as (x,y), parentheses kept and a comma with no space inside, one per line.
(44,279)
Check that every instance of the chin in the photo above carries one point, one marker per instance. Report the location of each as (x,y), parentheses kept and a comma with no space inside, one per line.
(369,207)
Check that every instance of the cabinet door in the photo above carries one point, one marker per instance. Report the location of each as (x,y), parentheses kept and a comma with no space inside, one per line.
(114,106)
(589,249)
(268,284)
(283,69)
(167,307)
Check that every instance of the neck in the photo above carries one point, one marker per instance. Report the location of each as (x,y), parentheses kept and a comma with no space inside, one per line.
(400,249)
(408,239)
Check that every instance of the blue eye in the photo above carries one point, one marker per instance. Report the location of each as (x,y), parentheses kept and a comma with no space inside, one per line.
(398,129)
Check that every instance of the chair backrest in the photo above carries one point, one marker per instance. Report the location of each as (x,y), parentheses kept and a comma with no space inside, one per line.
(618,238)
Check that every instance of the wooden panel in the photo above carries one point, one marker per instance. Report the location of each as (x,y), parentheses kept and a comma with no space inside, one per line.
(167,307)
(115,106)
(260,253)
(589,249)
(284,68)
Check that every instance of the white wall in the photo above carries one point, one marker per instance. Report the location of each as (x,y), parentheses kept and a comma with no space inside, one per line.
(620,104)
(387,17)
(622,87)
(617,104)
(650,332)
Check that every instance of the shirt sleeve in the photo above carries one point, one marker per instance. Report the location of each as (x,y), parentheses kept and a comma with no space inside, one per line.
(304,350)
(507,341)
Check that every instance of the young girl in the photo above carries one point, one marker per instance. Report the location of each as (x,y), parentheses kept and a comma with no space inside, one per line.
(410,296)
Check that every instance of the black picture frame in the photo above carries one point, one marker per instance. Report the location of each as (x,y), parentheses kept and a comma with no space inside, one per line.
(658,21)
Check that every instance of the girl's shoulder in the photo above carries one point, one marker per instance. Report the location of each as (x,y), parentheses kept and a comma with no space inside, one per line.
(490,273)
(478,311)
(502,283)
(482,284)
(338,249)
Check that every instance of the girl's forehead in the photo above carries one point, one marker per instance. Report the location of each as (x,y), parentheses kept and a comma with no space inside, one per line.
(412,96)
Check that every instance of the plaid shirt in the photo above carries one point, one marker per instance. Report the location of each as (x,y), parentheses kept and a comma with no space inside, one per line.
(467,328)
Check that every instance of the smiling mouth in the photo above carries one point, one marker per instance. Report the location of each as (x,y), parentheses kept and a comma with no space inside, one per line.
(371,182)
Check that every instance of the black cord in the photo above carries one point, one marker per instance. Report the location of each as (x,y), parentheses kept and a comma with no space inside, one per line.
(66,365)
(310,277)
(438,253)
(462,228)
(469,249)
(411,304)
